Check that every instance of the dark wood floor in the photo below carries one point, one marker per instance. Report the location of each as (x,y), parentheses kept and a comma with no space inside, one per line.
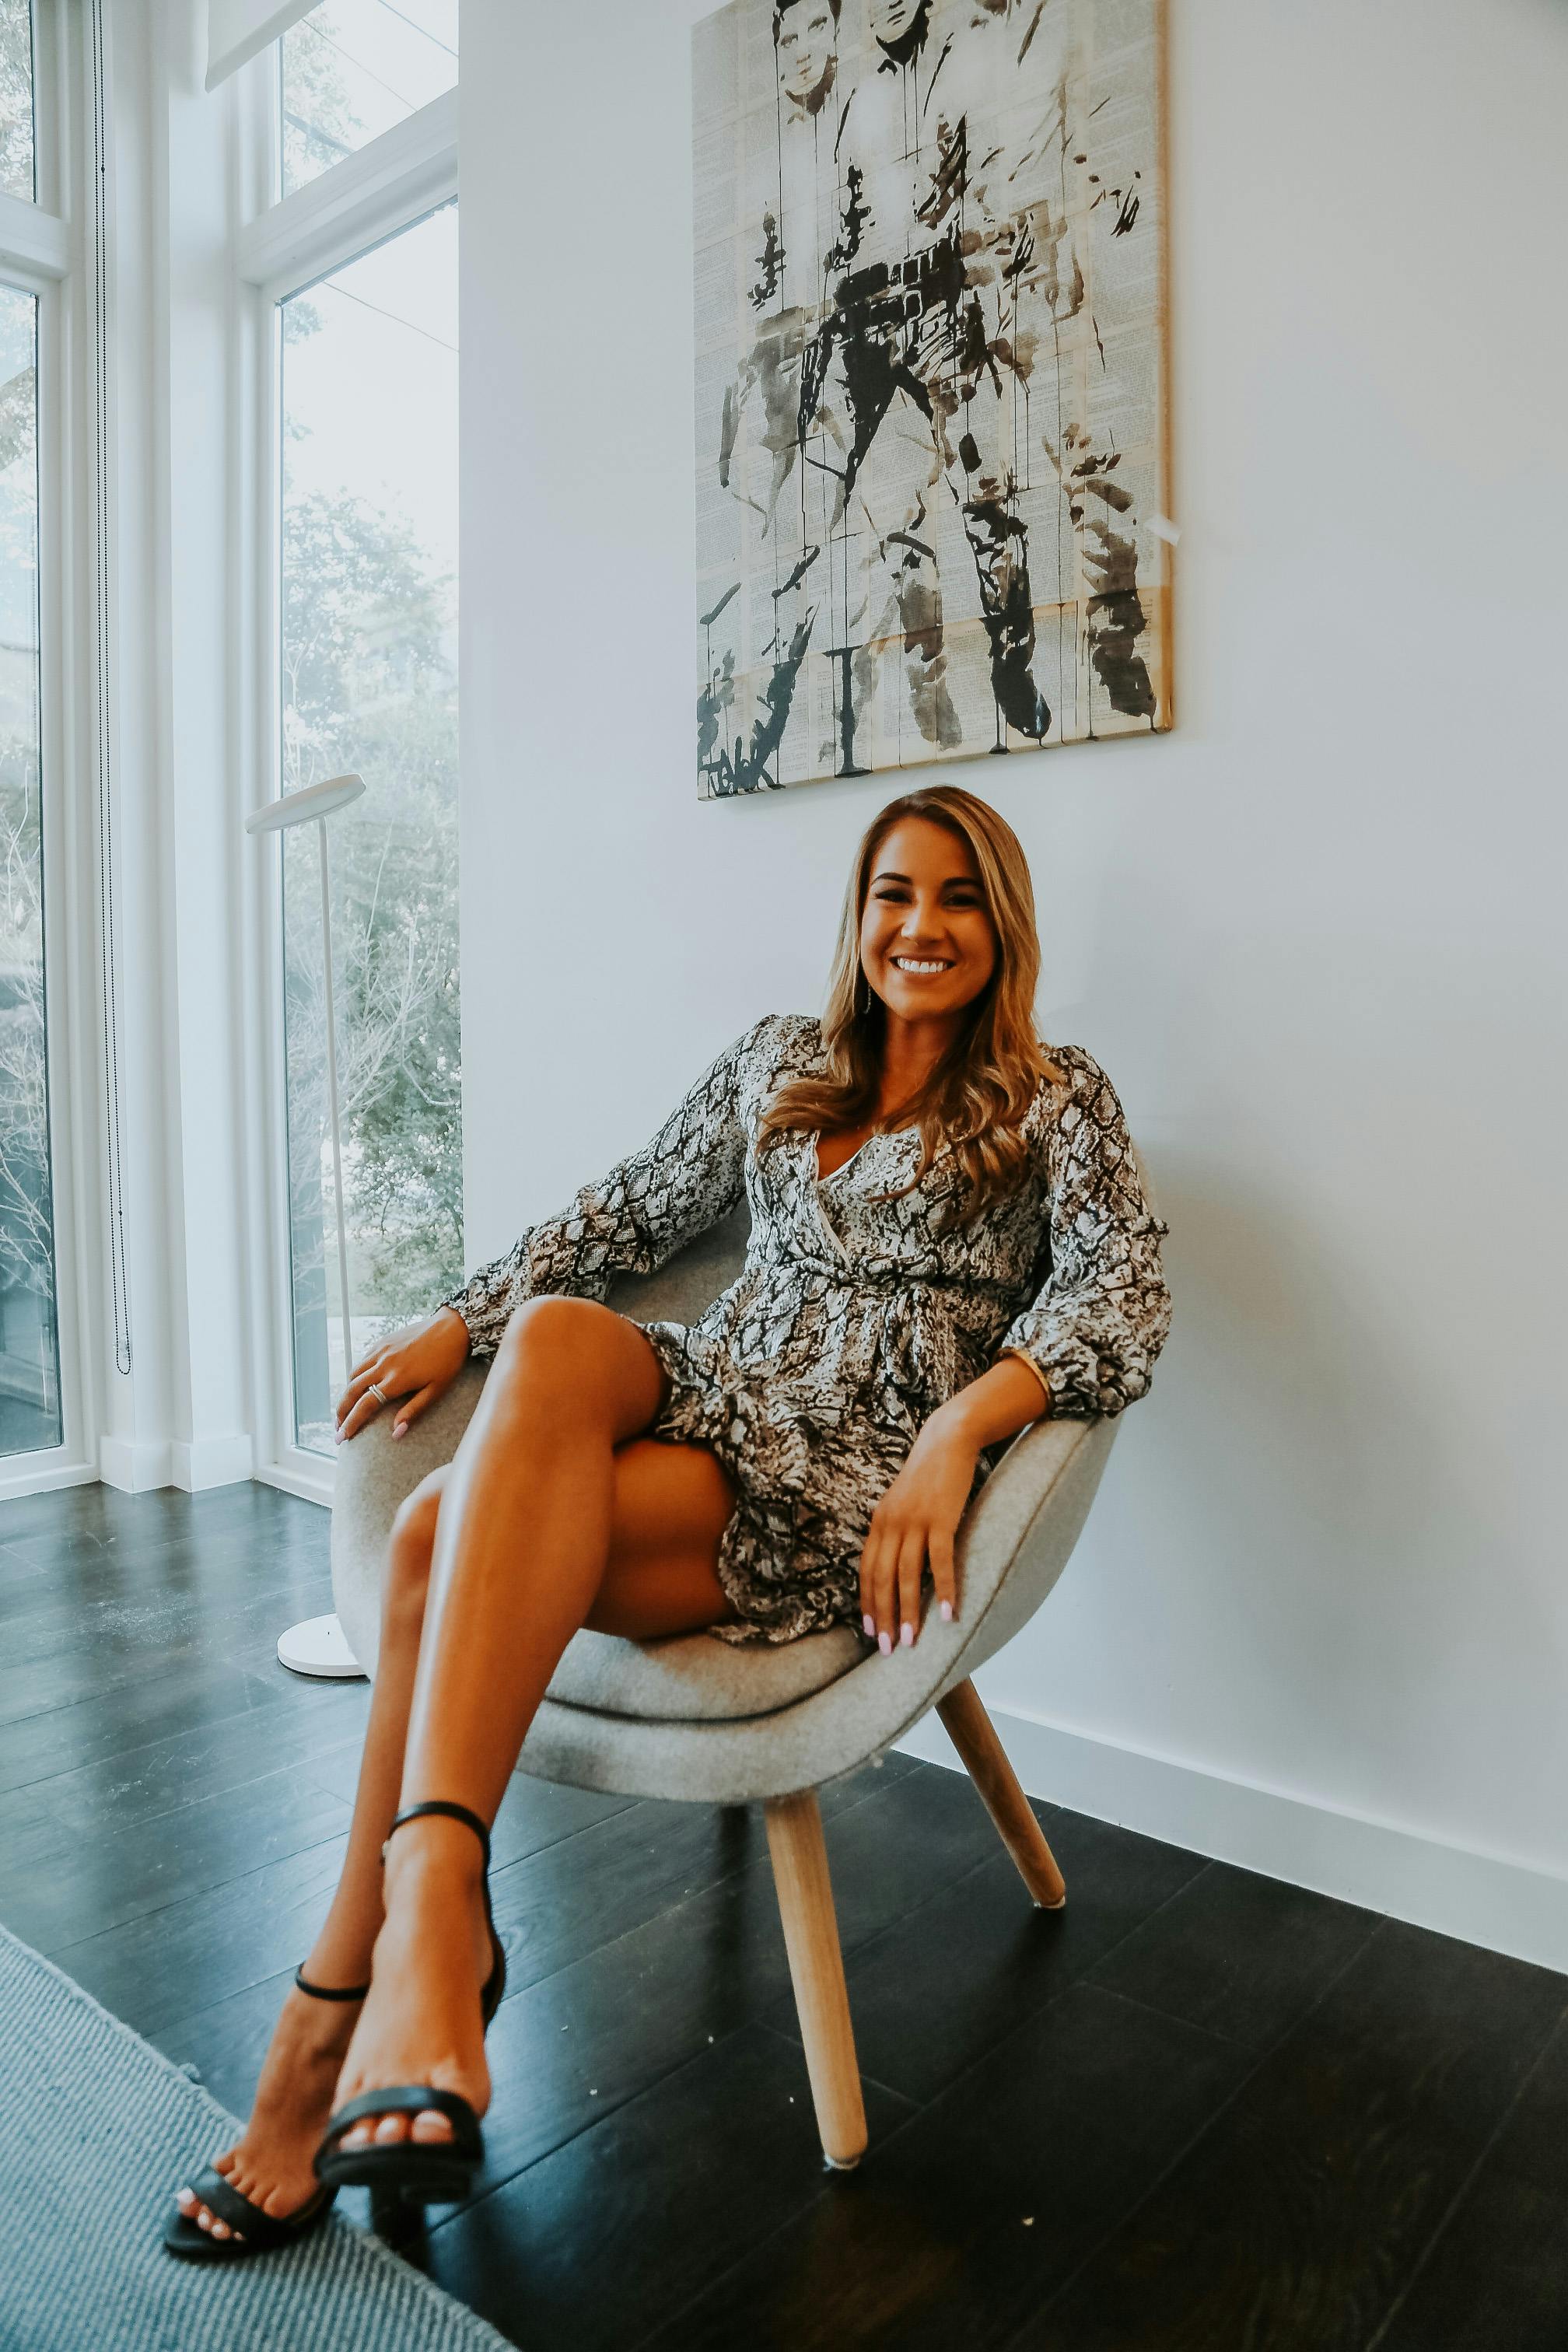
(1199,2111)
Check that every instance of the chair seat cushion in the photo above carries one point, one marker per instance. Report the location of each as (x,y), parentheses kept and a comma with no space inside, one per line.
(691,1678)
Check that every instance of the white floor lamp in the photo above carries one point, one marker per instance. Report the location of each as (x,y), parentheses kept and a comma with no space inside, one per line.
(317,1645)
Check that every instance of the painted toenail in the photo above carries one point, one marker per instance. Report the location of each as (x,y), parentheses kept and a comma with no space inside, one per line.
(204,2219)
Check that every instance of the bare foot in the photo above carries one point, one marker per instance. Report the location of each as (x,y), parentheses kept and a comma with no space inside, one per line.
(271,2162)
(421,2023)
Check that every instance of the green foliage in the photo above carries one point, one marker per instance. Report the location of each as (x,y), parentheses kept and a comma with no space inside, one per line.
(369,686)
(320,125)
(27,1238)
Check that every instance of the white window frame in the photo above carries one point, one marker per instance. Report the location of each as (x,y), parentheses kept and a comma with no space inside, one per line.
(284,247)
(46,253)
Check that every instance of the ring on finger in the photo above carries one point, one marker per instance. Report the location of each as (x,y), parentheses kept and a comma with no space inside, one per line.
(378,1393)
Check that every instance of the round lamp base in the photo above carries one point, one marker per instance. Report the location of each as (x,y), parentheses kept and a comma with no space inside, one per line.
(318,1646)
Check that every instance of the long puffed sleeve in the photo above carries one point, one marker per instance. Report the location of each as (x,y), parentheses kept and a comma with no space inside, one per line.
(647,1208)
(1094,1331)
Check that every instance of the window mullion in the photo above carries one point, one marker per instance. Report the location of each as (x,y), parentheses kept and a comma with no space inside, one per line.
(35,244)
(387,186)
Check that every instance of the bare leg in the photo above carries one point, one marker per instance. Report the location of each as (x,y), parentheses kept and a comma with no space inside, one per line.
(670,1507)
(271,2161)
(522,1547)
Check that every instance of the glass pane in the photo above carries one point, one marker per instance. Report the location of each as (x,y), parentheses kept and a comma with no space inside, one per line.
(29,1352)
(16,98)
(370,686)
(353,68)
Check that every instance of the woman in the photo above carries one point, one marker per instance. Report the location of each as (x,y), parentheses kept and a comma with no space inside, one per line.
(949,1240)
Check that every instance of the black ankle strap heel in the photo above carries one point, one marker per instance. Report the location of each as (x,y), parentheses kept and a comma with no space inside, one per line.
(457,1812)
(495,1987)
(420,2172)
(436,1805)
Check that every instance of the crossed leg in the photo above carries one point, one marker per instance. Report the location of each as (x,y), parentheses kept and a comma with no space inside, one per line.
(557,1512)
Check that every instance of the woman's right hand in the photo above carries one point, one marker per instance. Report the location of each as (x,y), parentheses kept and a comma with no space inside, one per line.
(412,1369)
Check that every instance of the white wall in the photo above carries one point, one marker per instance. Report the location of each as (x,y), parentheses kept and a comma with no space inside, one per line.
(1314,935)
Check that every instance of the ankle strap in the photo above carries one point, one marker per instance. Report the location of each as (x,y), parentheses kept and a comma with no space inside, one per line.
(329,1993)
(457,1812)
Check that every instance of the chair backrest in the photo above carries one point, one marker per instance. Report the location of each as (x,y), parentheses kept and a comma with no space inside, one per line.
(681,1290)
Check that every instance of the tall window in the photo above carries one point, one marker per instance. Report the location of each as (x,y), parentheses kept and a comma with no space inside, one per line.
(29,1352)
(369,624)
(352,68)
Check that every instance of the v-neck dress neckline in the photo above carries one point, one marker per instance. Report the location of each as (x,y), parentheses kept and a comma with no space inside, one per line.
(816,1163)
(877,1135)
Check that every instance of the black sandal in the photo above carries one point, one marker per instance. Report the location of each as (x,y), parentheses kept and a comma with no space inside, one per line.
(261,2230)
(421,2172)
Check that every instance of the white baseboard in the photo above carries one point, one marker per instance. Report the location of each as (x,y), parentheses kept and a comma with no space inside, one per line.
(1489,1899)
(210,1461)
(135,1468)
(44,1482)
(297,1477)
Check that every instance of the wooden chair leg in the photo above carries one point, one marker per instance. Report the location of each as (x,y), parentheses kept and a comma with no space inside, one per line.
(817,1971)
(971,1732)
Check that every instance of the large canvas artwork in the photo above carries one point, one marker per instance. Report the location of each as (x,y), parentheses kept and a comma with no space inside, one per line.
(930,391)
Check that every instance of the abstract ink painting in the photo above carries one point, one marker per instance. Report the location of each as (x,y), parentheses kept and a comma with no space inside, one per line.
(930,382)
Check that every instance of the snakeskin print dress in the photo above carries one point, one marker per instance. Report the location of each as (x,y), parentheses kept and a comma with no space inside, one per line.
(855,1315)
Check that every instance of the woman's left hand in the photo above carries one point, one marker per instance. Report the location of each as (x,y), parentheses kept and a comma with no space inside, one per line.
(915,1522)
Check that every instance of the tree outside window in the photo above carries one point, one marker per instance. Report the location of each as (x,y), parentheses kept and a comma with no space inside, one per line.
(369,682)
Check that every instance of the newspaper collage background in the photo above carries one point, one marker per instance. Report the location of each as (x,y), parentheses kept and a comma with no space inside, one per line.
(930,383)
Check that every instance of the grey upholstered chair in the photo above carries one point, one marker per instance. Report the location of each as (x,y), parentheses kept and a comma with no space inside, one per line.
(725,1724)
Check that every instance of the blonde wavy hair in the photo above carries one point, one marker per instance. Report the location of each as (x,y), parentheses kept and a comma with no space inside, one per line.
(978,1094)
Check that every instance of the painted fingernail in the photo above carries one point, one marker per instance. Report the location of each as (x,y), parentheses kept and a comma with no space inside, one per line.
(947,1611)
(906,1635)
(399,1427)
(869,1622)
(885,1644)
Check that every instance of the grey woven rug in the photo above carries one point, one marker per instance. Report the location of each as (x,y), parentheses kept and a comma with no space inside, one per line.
(95,2129)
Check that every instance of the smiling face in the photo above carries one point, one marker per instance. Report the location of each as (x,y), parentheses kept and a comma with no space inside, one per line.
(805,34)
(928,946)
